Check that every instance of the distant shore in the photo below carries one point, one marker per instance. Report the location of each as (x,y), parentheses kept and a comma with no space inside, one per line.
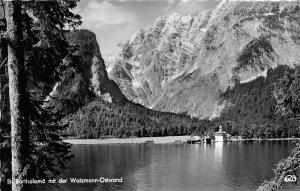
(155,140)
(269,139)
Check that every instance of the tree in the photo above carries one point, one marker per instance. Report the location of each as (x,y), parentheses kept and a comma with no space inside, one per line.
(284,167)
(17,94)
(4,156)
(47,56)
(287,94)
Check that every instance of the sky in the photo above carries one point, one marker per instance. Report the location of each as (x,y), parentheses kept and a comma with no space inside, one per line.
(115,21)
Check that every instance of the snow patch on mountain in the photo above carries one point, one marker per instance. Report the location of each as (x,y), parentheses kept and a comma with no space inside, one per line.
(262,74)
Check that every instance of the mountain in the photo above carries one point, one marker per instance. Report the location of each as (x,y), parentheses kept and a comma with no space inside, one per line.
(86,77)
(93,106)
(183,64)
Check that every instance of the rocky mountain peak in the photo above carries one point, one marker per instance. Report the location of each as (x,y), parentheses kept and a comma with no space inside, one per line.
(182,63)
(88,78)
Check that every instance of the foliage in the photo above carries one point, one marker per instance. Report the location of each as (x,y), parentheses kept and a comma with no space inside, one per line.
(251,54)
(251,110)
(99,119)
(46,48)
(285,167)
(5,153)
(287,94)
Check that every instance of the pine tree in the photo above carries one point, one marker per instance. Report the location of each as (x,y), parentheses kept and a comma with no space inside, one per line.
(47,55)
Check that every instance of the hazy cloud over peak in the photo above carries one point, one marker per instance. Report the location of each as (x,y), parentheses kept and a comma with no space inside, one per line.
(98,14)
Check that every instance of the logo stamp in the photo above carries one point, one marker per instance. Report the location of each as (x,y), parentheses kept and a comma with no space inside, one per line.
(290,178)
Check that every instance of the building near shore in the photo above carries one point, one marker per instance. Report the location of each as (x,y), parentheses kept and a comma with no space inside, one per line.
(220,136)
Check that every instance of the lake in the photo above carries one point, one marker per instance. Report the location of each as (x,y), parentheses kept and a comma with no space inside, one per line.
(236,166)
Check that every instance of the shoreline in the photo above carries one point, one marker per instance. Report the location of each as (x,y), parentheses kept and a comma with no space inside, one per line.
(268,139)
(155,140)
(142,140)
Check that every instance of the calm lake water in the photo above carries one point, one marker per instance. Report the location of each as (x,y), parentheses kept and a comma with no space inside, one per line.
(239,166)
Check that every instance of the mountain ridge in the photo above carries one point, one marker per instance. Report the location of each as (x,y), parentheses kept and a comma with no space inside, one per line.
(182,64)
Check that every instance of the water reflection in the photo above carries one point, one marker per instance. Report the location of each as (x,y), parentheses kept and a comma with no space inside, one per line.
(219,166)
(219,151)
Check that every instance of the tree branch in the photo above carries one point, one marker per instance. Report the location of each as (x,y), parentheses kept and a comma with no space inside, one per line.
(279,182)
(3,62)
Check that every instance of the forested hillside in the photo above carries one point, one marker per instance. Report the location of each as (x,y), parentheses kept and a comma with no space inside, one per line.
(98,119)
(251,109)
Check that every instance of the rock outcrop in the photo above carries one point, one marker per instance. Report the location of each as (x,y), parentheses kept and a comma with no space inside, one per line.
(86,76)
(182,63)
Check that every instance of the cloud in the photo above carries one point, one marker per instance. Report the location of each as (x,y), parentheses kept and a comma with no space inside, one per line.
(193,7)
(97,14)
(168,1)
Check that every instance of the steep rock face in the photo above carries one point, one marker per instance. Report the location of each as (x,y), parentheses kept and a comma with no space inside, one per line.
(183,63)
(87,77)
